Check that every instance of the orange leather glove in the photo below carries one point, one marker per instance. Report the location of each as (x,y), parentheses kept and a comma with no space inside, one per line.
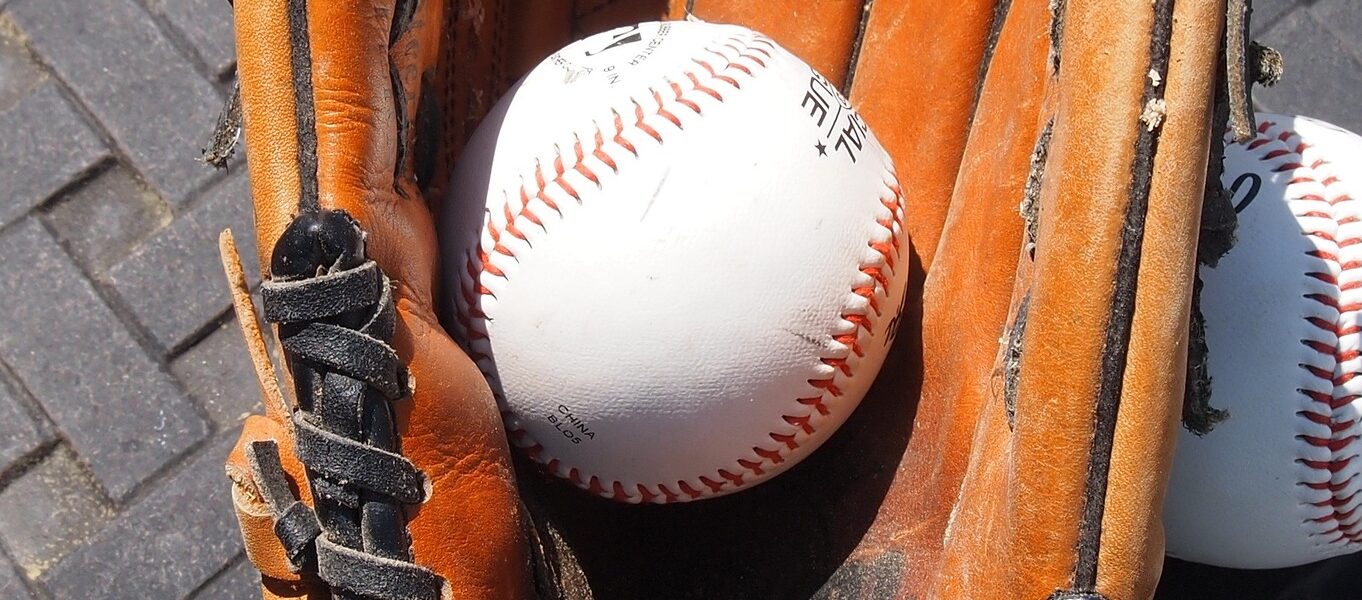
(1054,158)
(385,473)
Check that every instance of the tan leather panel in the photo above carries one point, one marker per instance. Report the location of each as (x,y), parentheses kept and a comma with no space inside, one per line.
(822,33)
(920,102)
(469,529)
(1084,200)
(1132,537)
(1083,206)
(265,70)
(966,299)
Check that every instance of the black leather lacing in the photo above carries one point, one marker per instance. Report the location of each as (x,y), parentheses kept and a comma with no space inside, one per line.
(334,309)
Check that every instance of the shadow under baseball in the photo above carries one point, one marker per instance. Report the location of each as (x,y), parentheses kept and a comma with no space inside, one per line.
(785,538)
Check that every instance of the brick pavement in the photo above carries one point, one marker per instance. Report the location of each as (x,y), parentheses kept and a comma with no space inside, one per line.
(122,379)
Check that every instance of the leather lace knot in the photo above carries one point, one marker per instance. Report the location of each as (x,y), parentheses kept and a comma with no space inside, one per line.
(335,315)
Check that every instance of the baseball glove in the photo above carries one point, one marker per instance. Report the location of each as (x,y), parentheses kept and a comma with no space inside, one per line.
(1054,156)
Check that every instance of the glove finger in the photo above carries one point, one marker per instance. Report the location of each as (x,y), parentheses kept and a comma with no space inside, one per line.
(921,104)
(1068,482)
(333,93)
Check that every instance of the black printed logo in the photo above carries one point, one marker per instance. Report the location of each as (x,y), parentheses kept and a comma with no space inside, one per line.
(628,36)
(1255,184)
(833,116)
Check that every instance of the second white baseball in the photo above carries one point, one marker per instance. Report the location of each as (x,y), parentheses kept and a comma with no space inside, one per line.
(678,255)
(1276,484)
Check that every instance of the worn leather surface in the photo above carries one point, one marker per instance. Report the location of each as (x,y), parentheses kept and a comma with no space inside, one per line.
(1158,344)
(1027,493)
(967,300)
(933,488)
(976,504)
(471,530)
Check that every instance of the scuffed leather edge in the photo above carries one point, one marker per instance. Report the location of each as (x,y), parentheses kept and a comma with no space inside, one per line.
(1117,345)
(304,105)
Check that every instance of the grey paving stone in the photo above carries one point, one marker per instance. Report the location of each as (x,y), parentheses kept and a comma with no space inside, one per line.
(218,373)
(150,98)
(1267,13)
(207,25)
(165,546)
(10,585)
(121,412)
(240,582)
(105,218)
(1343,18)
(18,73)
(44,145)
(1323,78)
(19,433)
(49,512)
(174,283)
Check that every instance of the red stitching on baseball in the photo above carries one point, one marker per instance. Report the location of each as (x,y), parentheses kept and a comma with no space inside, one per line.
(619,133)
(771,455)
(581,167)
(838,363)
(816,402)
(784,438)
(733,478)
(645,494)
(682,100)
(716,76)
(801,422)
(535,450)
(668,495)
(619,493)
(761,40)
(688,490)
(1345,528)
(714,486)
(644,127)
(878,273)
(558,179)
(599,152)
(731,64)
(662,111)
(743,52)
(699,87)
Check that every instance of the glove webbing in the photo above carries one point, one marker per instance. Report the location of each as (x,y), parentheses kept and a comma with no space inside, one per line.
(335,312)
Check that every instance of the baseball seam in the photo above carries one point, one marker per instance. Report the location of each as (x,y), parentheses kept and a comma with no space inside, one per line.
(740,58)
(1334,516)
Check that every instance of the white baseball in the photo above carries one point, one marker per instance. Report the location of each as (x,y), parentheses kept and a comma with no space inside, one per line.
(1276,484)
(678,256)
